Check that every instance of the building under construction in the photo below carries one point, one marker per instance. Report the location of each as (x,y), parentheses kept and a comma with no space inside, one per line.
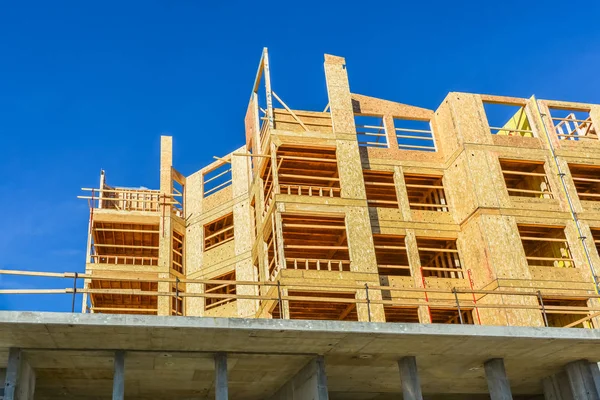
(483,212)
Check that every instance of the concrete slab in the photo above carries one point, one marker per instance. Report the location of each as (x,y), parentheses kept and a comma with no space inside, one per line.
(171,357)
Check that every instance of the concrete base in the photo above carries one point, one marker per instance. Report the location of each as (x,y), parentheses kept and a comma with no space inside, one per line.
(173,358)
(308,384)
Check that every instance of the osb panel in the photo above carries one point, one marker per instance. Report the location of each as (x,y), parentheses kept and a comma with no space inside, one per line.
(194,231)
(244,271)
(445,131)
(350,170)
(378,107)
(562,275)
(374,156)
(432,217)
(218,254)
(473,253)
(218,198)
(469,116)
(228,310)
(518,141)
(386,215)
(459,188)
(251,121)
(486,176)
(506,254)
(360,240)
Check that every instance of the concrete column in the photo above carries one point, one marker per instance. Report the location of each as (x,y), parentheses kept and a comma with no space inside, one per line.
(119,376)
(221,384)
(20,377)
(581,380)
(497,380)
(411,384)
(556,387)
(309,383)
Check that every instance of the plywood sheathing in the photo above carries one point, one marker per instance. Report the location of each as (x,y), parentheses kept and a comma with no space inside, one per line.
(165,243)
(244,234)
(358,225)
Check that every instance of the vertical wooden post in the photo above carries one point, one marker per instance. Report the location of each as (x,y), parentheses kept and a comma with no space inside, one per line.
(165,241)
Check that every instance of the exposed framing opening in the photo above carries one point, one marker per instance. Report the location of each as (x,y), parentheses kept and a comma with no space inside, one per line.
(426,192)
(546,246)
(218,232)
(315,242)
(380,188)
(439,258)
(370,131)
(122,303)
(526,179)
(308,171)
(573,124)
(177,259)
(392,258)
(567,318)
(270,243)
(216,179)
(451,316)
(508,119)
(414,134)
(128,244)
(596,237)
(587,181)
(320,309)
(177,302)
(401,314)
(220,288)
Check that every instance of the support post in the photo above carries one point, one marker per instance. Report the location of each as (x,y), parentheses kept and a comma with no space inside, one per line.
(497,381)
(221,383)
(119,376)
(322,393)
(19,383)
(581,380)
(411,384)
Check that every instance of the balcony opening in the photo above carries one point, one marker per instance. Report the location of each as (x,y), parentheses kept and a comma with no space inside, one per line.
(128,244)
(439,258)
(570,316)
(414,135)
(390,251)
(380,188)
(587,181)
(112,303)
(596,237)
(177,259)
(526,179)
(177,300)
(216,179)
(507,119)
(401,314)
(320,308)
(314,242)
(573,124)
(308,171)
(426,192)
(217,288)
(546,246)
(370,131)
(451,316)
(218,232)
(270,242)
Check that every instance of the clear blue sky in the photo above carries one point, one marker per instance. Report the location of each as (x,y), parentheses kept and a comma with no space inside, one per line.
(90,85)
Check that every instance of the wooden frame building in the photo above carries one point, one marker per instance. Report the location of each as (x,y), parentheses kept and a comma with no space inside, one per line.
(484,211)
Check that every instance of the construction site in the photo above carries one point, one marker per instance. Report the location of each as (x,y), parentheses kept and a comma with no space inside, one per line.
(370,250)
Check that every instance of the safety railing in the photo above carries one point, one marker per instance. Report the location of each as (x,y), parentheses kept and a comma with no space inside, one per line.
(306,190)
(318,264)
(571,128)
(122,259)
(456,299)
(131,199)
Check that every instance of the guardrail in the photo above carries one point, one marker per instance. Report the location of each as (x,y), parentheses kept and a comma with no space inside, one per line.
(459,299)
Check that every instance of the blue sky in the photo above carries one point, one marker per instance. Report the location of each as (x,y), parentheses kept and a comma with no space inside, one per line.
(91,85)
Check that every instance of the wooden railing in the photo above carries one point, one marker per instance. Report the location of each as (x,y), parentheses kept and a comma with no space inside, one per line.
(571,128)
(306,190)
(122,259)
(510,297)
(317,264)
